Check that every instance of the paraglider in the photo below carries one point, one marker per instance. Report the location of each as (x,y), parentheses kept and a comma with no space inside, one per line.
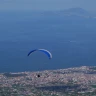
(38,75)
(42,50)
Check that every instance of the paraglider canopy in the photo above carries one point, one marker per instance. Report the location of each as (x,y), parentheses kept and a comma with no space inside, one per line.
(42,50)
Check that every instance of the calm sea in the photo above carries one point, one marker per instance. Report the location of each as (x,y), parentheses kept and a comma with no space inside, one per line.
(71,42)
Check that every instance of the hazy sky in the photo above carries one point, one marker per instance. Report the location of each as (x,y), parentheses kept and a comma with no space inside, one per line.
(46,4)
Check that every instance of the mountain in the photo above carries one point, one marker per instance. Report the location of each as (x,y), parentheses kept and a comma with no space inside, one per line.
(79,11)
(71,12)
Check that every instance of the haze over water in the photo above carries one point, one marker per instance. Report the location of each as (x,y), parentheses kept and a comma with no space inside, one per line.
(72,42)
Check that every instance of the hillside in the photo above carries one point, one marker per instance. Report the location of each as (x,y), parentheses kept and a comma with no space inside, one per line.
(62,82)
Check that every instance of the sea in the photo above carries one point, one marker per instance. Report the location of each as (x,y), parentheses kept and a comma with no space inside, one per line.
(72,41)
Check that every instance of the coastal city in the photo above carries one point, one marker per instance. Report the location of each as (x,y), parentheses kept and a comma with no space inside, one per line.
(77,81)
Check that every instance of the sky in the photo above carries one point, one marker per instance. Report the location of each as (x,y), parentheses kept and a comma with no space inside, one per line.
(46,4)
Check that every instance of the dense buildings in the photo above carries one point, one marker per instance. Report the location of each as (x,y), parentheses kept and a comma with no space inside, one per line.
(61,82)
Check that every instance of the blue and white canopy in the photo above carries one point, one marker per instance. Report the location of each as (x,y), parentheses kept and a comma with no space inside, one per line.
(42,50)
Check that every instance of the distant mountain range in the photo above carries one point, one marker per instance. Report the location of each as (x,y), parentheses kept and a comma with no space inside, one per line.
(67,14)
(73,12)
(76,11)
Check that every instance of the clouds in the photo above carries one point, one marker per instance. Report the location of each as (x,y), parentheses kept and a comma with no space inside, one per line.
(46,4)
